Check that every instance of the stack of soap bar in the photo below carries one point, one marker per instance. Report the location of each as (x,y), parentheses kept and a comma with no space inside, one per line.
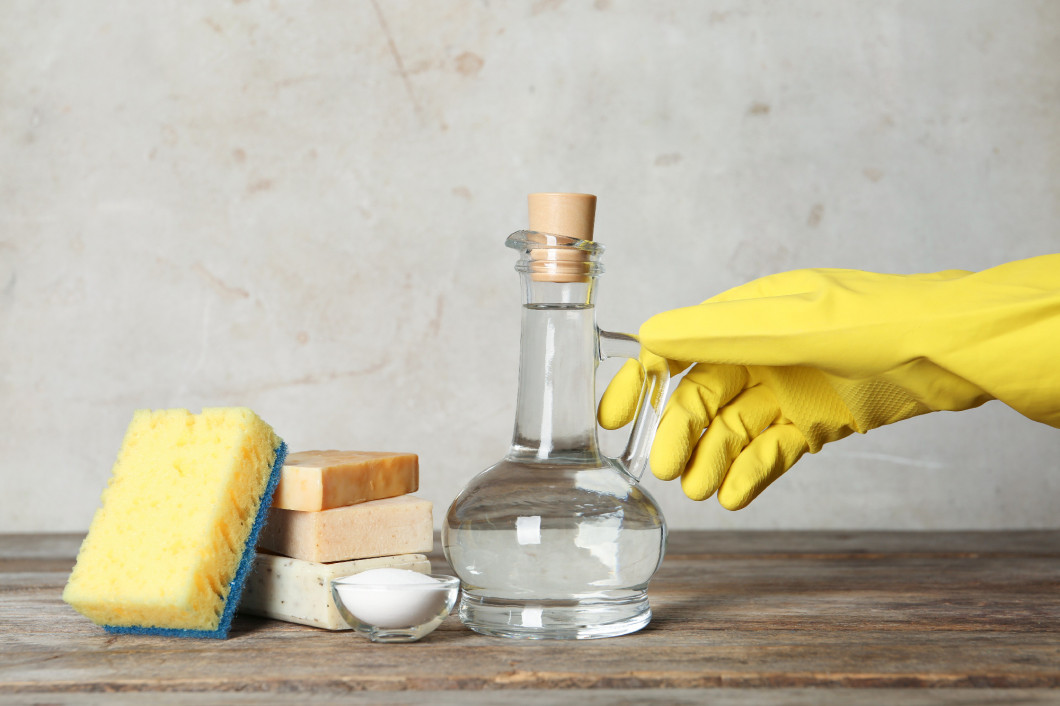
(172,544)
(336,513)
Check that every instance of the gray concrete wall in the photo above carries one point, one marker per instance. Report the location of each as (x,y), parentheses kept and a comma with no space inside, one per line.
(300,208)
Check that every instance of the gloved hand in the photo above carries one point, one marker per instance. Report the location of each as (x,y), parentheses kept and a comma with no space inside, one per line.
(787,363)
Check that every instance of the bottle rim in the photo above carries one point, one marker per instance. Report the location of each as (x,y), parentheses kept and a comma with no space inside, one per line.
(534,240)
(556,258)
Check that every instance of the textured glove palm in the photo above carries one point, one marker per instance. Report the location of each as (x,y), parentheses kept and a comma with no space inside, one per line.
(787,363)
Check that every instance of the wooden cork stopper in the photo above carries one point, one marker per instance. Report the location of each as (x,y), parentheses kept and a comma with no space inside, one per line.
(571,215)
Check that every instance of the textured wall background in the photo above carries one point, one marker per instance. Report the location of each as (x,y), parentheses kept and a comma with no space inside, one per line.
(300,207)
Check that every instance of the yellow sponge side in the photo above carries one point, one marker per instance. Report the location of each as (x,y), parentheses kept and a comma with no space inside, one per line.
(174,520)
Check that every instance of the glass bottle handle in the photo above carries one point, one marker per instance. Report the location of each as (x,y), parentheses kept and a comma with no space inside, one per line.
(652,396)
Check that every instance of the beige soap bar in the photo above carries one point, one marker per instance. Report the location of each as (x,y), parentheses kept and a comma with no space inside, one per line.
(320,480)
(386,527)
(299,591)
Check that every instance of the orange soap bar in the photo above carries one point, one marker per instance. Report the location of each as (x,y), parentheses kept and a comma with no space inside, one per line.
(321,480)
(385,527)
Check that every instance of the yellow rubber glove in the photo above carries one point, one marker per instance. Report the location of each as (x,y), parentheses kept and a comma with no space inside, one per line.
(787,363)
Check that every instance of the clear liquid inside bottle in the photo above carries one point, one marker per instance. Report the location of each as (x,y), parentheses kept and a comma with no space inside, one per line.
(556,540)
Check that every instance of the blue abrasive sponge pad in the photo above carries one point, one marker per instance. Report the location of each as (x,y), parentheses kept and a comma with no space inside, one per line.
(172,544)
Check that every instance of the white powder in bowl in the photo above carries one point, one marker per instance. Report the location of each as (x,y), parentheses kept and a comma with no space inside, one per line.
(392,598)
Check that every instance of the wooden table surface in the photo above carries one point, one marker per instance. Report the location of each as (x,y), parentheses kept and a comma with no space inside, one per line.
(740,617)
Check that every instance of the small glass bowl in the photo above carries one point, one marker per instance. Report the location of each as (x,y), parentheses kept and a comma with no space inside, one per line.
(387,612)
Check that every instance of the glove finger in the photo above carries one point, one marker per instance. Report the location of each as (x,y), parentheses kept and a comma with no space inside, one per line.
(693,404)
(736,425)
(763,461)
(618,404)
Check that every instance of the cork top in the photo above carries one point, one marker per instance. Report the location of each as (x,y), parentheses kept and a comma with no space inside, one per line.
(572,215)
(569,216)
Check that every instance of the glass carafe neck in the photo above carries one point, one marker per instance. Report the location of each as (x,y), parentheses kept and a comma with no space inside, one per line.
(555,415)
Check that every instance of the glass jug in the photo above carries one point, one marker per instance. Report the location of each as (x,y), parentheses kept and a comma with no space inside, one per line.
(557,540)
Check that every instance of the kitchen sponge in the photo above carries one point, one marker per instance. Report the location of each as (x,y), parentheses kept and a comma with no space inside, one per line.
(170,548)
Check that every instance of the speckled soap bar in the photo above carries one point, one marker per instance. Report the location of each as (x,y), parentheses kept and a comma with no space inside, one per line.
(299,591)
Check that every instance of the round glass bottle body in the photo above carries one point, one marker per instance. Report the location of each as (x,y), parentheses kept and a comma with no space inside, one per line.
(554,550)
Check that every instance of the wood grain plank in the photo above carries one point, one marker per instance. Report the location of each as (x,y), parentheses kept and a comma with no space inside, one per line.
(846,612)
(862,544)
(586,697)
